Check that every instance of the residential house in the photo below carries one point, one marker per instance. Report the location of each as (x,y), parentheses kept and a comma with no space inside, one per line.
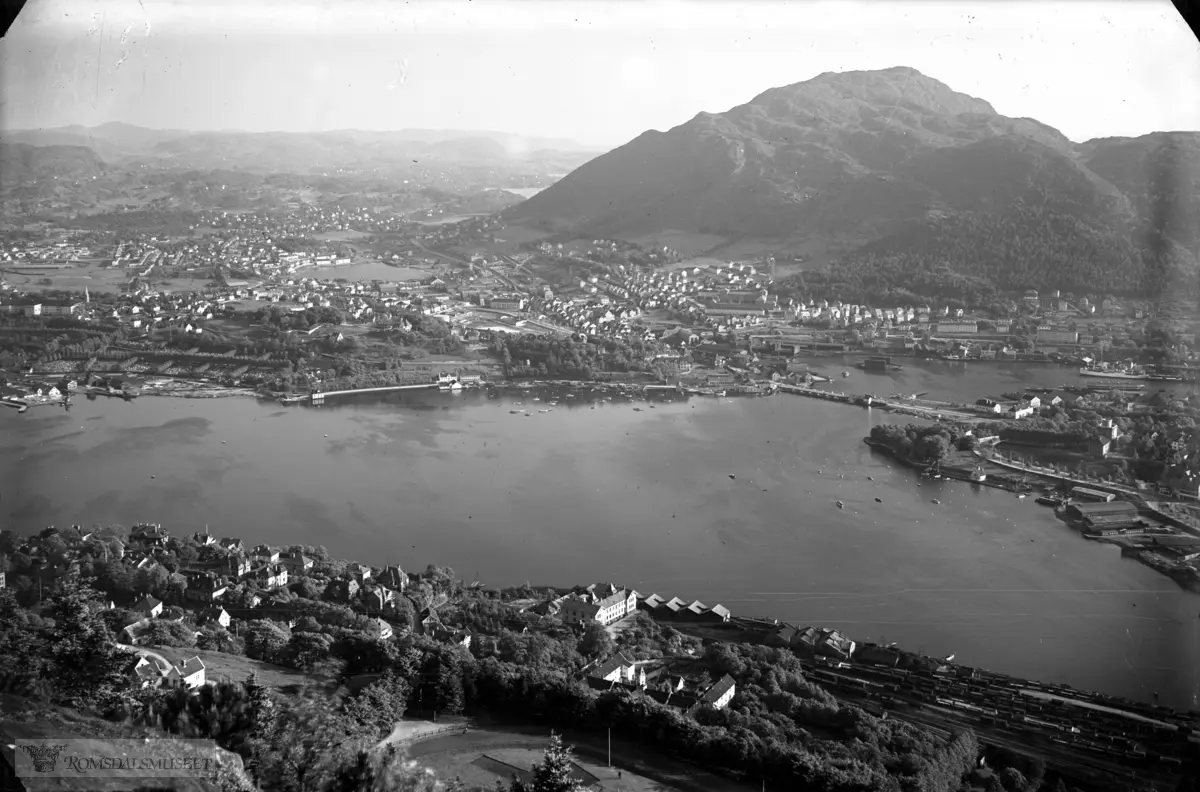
(617,670)
(203,586)
(204,539)
(428,621)
(394,578)
(380,629)
(270,575)
(216,614)
(232,543)
(296,563)
(265,555)
(459,637)
(377,597)
(146,673)
(719,695)
(188,675)
(362,573)
(342,590)
(149,606)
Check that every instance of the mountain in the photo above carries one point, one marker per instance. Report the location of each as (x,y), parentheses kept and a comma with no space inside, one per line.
(892,159)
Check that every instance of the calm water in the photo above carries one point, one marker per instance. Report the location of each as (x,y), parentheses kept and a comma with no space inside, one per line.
(643,498)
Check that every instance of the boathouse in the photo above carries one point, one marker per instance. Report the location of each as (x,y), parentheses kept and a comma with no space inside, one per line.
(1109,513)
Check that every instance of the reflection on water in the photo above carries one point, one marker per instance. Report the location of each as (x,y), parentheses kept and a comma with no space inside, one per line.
(642,498)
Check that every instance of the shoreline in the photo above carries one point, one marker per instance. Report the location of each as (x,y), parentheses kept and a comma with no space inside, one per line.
(1187,578)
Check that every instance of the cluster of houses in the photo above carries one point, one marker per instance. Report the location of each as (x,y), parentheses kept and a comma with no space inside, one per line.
(655,679)
(149,672)
(812,641)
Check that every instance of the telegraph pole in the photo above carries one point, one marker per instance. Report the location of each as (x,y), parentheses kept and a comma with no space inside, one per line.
(610,746)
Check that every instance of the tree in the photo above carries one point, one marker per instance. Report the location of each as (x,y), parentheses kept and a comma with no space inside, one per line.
(87,668)
(306,649)
(265,640)
(1013,780)
(596,642)
(382,703)
(554,773)
(169,633)
(22,649)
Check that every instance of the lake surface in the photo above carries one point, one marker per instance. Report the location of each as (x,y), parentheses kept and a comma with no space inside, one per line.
(645,499)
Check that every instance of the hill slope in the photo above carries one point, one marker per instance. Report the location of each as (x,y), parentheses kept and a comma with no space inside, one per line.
(897,159)
(21,163)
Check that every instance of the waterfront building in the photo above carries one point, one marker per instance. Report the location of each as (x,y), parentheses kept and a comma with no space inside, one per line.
(1048,334)
(589,606)
(957,328)
(1087,494)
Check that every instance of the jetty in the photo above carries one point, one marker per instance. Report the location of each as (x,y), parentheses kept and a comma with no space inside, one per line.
(318,397)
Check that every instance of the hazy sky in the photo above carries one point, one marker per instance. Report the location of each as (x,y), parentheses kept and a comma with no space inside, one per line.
(597,72)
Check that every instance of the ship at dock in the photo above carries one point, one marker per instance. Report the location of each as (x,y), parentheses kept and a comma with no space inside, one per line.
(1126,371)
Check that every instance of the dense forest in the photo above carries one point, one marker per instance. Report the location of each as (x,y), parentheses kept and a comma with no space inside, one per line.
(971,256)
(922,443)
(568,358)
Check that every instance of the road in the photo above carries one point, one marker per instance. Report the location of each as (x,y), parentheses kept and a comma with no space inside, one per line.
(163,664)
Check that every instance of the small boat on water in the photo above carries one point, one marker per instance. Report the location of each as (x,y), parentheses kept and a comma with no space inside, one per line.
(841,505)
(515,412)
(543,411)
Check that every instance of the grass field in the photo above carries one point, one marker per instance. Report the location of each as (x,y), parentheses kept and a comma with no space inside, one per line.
(220,666)
(482,759)
(634,767)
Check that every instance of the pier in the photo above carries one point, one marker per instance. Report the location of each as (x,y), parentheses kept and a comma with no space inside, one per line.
(318,397)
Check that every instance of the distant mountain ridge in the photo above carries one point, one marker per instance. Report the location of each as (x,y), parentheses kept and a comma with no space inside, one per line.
(118,142)
(870,156)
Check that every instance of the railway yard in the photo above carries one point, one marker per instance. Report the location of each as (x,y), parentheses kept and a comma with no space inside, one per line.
(1107,742)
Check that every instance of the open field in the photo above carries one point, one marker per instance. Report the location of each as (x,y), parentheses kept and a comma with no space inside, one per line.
(518,234)
(686,242)
(483,758)
(92,276)
(341,236)
(220,666)
(640,769)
